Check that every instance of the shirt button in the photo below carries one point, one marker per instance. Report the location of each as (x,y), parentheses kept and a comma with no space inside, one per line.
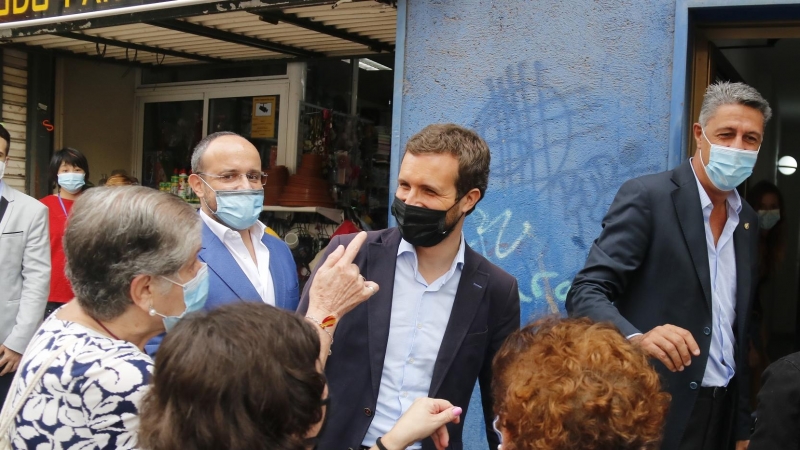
(367,412)
(411,360)
(707,331)
(404,394)
(419,326)
(692,385)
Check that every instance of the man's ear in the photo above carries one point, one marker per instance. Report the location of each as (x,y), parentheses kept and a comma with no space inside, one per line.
(197,185)
(470,200)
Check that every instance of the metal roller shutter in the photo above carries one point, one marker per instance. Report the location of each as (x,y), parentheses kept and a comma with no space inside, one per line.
(14,113)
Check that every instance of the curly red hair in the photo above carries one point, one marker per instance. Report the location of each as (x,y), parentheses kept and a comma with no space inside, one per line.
(564,384)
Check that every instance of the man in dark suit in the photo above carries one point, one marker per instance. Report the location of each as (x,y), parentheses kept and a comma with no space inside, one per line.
(675,270)
(244,262)
(442,310)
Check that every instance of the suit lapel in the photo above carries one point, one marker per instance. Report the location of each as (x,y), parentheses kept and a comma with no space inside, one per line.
(276,269)
(471,289)
(382,260)
(220,260)
(8,196)
(686,199)
(743,263)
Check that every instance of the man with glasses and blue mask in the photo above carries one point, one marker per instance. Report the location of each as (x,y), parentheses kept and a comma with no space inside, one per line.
(675,270)
(244,262)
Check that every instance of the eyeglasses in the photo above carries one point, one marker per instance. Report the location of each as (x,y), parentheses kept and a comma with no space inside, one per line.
(254,178)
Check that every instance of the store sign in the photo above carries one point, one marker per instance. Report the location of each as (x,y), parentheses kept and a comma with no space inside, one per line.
(19,10)
(263,117)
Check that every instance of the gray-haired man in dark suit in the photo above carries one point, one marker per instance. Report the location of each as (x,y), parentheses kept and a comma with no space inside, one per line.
(675,269)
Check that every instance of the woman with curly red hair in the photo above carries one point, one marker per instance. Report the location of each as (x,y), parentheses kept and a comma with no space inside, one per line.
(572,384)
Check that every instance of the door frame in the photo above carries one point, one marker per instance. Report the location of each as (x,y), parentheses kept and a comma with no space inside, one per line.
(683,60)
(208,91)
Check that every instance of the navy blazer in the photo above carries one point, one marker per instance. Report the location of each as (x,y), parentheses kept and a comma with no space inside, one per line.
(649,267)
(227,283)
(486,310)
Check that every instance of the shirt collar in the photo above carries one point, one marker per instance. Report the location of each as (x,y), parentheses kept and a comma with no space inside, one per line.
(2,187)
(406,247)
(734,200)
(220,230)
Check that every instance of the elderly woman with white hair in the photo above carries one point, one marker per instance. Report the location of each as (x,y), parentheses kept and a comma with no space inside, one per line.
(132,262)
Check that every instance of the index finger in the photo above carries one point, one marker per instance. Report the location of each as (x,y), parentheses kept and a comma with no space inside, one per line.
(352,249)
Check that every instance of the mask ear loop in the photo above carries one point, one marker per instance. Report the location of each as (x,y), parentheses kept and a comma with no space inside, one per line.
(203,199)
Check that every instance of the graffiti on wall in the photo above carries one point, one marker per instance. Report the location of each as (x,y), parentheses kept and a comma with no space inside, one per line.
(559,154)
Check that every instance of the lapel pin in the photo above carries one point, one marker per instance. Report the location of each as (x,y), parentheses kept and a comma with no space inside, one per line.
(747,225)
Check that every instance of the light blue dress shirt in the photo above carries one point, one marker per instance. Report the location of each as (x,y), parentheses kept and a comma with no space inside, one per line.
(420,312)
(722,266)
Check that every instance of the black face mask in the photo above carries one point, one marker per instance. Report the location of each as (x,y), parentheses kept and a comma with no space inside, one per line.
(422,227)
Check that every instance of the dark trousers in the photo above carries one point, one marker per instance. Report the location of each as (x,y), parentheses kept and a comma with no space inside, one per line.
(710,424)
(5,385)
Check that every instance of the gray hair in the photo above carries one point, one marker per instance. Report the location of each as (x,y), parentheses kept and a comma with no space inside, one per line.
(727,93)
(202,146)
(116,233)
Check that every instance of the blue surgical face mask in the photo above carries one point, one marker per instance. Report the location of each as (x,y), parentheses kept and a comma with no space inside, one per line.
(195,293)
(767,218)
(728,167)
(238,209)
(71,182)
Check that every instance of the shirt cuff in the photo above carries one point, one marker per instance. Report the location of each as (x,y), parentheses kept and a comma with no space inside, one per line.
(632,335)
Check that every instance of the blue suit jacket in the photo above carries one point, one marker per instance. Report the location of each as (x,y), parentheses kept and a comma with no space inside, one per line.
(227,283)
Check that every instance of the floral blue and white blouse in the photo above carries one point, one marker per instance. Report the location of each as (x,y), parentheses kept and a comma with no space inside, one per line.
(89,396)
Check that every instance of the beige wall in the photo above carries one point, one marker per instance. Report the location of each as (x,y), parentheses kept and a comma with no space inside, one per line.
(97,113)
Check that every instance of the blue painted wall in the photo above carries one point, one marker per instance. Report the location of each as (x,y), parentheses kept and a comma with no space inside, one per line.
(573,98)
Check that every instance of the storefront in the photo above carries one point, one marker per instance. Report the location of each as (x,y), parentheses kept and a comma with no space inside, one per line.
(135,91)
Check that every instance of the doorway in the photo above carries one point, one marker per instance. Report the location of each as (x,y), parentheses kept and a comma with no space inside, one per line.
(765,55)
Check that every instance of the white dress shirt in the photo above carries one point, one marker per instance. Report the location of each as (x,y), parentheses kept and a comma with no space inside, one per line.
(258,274)
(420,312)
(722,267)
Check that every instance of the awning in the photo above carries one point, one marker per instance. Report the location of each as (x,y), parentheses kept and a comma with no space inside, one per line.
(219,32)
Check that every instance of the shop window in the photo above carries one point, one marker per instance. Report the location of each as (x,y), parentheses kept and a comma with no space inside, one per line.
(258,124)
(171,130)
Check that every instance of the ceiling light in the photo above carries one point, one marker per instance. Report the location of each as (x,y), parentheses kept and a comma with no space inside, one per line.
(787,165)
(368,64)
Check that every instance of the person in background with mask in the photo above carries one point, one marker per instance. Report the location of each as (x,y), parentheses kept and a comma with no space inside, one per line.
(675,270)
(69,172)
(442,312)
(24,269)
(767,200)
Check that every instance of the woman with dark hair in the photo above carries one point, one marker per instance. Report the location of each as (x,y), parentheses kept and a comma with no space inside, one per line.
(767,199)
(248,376)
(563,384)
(69,170)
